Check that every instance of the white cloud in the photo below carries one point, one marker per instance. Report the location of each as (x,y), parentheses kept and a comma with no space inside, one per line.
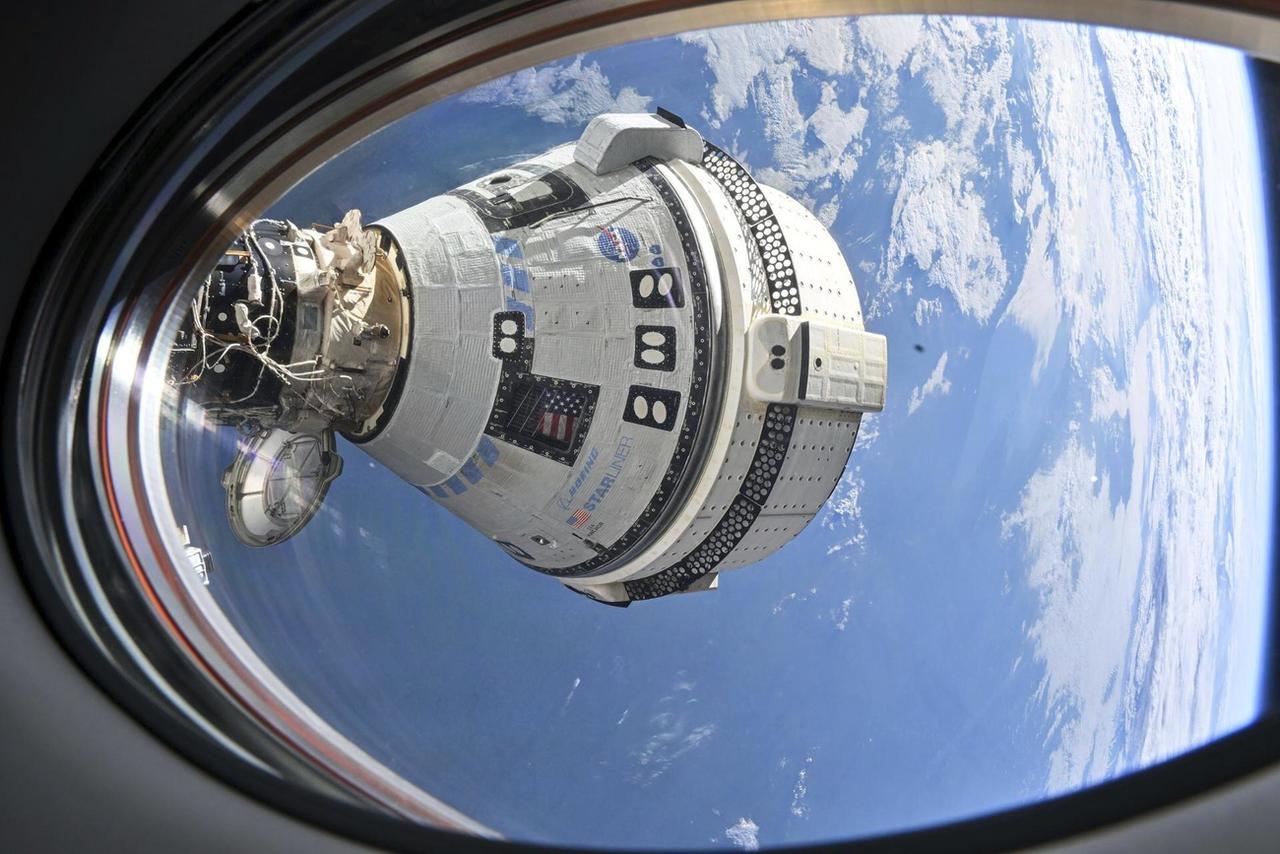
(890,38)
(572,690)
(673,739)
(799,167)
(743,834)
(966,64)
(1023,178)
(936,384)
(559,94)
(737,56)
(843,512)
(1109,401)
(836,128)
(800,791)
(939,221)
(841,616)
(673,733)
(927,310)
(785,601)
(1037,305)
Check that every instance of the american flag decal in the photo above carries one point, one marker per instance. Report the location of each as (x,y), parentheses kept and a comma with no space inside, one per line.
(557,414)
(579,518)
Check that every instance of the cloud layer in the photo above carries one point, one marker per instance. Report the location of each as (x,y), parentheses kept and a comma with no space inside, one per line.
(562,94)
(1133,580)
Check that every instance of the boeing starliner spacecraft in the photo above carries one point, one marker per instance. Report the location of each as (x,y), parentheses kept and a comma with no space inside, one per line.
(624,361)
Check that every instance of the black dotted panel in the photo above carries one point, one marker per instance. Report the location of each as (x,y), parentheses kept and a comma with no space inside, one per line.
(652,407)
(771,448)
(660,356)
(775,438)
(766,233)
(647,286)
(520,349)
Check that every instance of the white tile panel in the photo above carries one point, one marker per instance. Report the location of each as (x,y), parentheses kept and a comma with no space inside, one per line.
(448,393)
(435,312)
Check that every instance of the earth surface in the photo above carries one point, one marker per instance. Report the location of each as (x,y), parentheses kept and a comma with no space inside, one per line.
(1045,563)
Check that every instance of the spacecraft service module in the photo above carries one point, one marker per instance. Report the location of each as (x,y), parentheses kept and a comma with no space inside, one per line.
(624,361)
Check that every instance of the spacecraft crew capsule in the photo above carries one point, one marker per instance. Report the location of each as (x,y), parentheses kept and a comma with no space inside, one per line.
(624,361)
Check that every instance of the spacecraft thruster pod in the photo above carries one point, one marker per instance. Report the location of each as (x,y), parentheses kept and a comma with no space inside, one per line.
(625,361)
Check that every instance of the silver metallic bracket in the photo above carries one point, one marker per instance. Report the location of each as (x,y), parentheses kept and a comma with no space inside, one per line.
(614,140)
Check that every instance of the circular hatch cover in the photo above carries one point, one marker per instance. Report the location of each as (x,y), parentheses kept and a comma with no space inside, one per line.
(277,483)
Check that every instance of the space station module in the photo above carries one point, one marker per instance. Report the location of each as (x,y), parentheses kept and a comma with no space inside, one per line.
(624,361)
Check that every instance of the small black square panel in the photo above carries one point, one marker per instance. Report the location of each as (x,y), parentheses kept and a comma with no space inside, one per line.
(508,335)
(652,407)
(657,287)
(656,348)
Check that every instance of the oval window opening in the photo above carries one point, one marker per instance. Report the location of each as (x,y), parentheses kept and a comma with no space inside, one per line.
(897,394)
